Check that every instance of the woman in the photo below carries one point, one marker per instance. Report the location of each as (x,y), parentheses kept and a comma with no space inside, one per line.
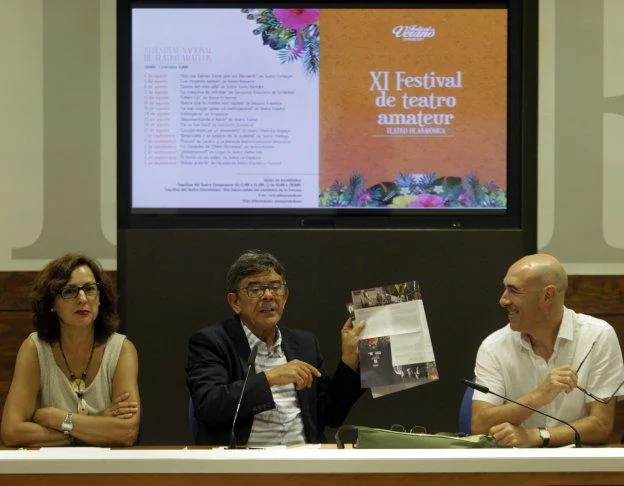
(75,379)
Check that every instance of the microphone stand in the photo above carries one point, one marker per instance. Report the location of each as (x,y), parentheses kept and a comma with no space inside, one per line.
(250,362)
(485,389)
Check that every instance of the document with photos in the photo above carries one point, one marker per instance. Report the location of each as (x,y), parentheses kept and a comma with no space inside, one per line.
(395,346)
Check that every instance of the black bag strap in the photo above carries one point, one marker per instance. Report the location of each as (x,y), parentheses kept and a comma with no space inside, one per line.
(347,434)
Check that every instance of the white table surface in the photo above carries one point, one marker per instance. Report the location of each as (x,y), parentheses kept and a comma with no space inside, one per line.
(307,460)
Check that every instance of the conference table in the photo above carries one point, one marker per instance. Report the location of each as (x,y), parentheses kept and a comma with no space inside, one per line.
(307,465)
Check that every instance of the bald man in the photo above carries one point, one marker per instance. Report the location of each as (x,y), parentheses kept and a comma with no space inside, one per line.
(536,360)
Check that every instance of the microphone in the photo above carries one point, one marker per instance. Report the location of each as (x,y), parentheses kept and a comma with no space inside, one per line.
(250,362)
(485,389)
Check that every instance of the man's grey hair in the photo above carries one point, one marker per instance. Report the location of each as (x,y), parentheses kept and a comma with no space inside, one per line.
(252,262)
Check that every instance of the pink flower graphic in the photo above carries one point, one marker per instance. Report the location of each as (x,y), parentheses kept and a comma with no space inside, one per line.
(296,18)
(364,198)
(464,199)
(427,201)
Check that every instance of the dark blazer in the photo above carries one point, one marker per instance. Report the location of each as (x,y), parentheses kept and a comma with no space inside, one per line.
(216,369)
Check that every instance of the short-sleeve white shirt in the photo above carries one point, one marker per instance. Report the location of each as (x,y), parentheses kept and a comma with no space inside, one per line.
(507,365)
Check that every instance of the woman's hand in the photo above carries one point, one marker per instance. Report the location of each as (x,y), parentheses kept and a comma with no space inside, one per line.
(121,408)
(49,417)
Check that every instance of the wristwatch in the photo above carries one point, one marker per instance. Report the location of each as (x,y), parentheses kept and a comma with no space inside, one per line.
(67,425)
(545,435)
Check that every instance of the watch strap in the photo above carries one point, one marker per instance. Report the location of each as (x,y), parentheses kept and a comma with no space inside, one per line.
(545,435)
(67,425)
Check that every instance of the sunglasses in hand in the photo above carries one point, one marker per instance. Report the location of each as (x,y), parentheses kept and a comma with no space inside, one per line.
(598,399)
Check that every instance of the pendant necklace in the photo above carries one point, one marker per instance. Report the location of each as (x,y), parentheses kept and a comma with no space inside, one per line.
(78,384)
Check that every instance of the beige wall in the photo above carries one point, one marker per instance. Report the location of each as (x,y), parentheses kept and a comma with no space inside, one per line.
(581,134)
(57,105)
(57,131)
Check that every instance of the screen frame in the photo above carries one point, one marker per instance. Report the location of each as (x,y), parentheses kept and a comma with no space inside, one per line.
(521,139)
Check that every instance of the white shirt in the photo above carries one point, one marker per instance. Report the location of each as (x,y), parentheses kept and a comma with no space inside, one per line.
(507,365)
(281,425)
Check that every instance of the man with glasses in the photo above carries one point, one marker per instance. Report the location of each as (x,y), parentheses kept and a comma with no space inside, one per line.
(563,363)
(289,397)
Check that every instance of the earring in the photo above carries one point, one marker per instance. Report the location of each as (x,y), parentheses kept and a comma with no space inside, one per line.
(52,309)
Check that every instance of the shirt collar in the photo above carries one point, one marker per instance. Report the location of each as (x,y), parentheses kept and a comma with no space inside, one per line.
(566,331)
(263,349)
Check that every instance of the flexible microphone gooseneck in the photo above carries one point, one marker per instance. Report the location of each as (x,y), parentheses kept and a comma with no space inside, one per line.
(250,362)
(485,389)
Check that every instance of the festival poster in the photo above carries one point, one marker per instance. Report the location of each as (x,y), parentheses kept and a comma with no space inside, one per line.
(419,97)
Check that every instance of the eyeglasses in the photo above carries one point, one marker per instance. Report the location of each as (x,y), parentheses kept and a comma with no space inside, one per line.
(256,290)
(416,429)
(71,291)
(598,399)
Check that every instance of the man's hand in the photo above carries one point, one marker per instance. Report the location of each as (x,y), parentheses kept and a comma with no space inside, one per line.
(508,435)
(350,337)
(562,379)
(298,372)
(121,408)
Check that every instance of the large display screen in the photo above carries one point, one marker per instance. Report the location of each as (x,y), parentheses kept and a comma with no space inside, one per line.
(319,111)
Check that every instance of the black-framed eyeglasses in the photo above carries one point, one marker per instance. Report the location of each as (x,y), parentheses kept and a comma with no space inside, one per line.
(598,399)
(257,290)
(71,291)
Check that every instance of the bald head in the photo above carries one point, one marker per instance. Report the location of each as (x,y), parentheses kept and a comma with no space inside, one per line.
(543,270)
(534,296)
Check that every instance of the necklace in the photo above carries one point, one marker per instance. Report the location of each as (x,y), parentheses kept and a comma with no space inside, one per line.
(77,384)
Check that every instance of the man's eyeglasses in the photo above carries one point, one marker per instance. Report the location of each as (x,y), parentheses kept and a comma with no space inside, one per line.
(257,290)
(71,291)
(598,399)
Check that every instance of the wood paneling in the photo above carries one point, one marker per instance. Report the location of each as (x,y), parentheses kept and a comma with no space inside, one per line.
(398,479)
(14,328)
(14,290)
(601,296)
(15,322)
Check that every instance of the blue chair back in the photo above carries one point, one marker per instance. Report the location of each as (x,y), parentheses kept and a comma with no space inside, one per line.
(193,424)
(465,412)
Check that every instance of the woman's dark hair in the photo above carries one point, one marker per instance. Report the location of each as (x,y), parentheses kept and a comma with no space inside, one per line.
(49,283)
(252,262)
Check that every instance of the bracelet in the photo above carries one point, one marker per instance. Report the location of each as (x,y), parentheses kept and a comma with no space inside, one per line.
(67,425)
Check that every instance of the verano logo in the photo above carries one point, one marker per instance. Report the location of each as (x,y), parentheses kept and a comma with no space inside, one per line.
(413,32)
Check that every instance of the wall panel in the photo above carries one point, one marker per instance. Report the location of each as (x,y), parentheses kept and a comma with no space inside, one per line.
(597,295)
